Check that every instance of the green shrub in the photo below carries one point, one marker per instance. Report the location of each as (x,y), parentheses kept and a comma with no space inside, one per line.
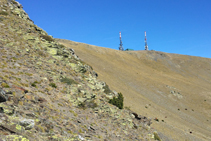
(47,38)
(3,13)
(5,85)
(118,102)
(68,81)
(34,84)
(107,89)
(156,137)
(53,85)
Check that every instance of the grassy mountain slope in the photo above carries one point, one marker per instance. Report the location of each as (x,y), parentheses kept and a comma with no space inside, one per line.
(172,88)
(48,93)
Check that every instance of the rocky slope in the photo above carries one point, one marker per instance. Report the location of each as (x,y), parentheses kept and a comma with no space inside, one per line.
(48,93)
(172,89)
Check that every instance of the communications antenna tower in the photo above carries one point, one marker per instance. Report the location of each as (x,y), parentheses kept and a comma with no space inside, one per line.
(120,45)
(146,46)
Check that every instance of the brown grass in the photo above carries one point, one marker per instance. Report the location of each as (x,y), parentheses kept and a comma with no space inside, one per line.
(147,77)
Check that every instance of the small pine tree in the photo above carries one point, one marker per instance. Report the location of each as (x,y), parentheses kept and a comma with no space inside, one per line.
(118,102)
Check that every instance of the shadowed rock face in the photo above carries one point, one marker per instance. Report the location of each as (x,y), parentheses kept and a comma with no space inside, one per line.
(48,93)
(172,89)
(2,95)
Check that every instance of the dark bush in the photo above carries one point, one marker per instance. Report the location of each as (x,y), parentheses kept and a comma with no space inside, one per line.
(68,81)
(47,38)
(53,85)
(34,84)
(118,102)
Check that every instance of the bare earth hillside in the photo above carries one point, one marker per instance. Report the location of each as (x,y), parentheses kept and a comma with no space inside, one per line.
(172,89)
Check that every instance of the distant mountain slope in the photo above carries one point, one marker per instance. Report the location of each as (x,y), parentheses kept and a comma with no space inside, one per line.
(174,89)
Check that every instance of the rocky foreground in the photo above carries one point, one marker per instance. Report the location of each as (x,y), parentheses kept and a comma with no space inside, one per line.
(48,93)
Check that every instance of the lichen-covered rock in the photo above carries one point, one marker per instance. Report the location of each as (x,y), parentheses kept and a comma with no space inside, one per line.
(39,30)
(14,138)
(7,109)
(27,123)
(52,51)
(17,9)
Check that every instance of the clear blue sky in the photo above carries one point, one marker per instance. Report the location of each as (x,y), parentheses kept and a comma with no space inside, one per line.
(173,26)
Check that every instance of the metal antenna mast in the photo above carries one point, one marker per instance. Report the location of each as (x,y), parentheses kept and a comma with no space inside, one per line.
(146,46)
(120,45)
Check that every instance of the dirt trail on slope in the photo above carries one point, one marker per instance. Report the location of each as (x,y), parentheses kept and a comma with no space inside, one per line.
(174,89)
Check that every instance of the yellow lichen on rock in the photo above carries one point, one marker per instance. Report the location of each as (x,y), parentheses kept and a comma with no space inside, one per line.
(15,138)
(52,51)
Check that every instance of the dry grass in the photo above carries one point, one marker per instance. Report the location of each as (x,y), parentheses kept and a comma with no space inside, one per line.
(143,76)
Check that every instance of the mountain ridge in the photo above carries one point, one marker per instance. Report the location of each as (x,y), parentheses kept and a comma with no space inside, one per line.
(151,80)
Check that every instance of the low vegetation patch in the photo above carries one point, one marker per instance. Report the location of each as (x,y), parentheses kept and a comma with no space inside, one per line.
(156,137)
(107,89)
(53,85)
(68,81)
(87,104)
(61,46)
(3,13)
(5,85)
(34,84)
(118,102)
(47,38)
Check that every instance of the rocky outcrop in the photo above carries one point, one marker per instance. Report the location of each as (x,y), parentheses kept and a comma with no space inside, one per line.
(2,95)
(17,8)
(142,119)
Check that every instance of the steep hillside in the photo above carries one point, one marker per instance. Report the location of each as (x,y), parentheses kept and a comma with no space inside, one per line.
(48,93)
(173,89)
